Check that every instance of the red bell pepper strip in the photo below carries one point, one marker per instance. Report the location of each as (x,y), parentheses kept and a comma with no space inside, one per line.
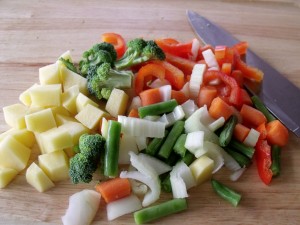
(264,161)
(185,65)
(174,47)
(117,41)
(146,71)
(241,47)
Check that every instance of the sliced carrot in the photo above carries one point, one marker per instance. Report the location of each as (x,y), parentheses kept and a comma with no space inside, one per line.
(241,47)
(114,189)
(277,134)
(220,51)
(185,65)
(134,113)
(219,108)
(174,75)
(240,132)
(150,96)
(226,68)
(246,99)
(206,95)
(262,130)
(179,96)
(251,116)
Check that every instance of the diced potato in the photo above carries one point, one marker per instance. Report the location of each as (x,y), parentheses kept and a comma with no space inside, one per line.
(60,110)
(46,95)
(202,169)
(39,142)
(66,55)
(55,165)
(56,139)
(117,102)
(69,79)
(69,99)
(13,154)
(6,176)
(75,129)
(33,109)
(49,74)
(82,101)
(24,136)
(90,116)
(40,121)
(25,96)
(61,119)
(37,178)
(14,115)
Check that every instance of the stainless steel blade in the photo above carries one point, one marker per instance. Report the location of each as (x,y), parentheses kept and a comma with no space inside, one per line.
(280,96)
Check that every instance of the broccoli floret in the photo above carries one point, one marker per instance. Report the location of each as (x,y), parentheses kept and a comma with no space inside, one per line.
(105,79)
(85,163)
(68,64)
(139,51)
(100,53)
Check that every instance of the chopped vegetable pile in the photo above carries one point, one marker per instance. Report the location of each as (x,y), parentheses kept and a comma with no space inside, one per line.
(174,113)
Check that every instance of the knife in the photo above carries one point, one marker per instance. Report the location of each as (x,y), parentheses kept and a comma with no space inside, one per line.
(279,95)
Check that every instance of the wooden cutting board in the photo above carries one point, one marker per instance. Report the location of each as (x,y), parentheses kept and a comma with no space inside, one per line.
(35,33)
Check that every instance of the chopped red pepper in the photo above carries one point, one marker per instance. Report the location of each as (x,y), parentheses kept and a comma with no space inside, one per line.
(117,41)
(185,65)
(174,47)
(263,161)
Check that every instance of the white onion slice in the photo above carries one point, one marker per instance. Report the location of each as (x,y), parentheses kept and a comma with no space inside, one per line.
(237,174)
(196,80)
(195,48)
(165,92)
(159,166)
(159,83)
(189,107)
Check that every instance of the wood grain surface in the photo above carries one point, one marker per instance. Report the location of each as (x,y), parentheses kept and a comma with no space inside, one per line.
(35,33)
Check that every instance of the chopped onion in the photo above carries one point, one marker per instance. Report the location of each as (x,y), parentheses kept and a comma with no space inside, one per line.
(127,144)
(165,92)
(175,115)
(138,188)
(152,182)
(82,208)
(215,125)
(104,128)
(195,49)
(186,89)
(164,119)
(185,173)
(196,80)
(252,138)
(189,107)
(194,140)
(205,117)
(229,162)
(158,83)
(141,143)
(237,174)
(210,59)
(159,166)
(213,152)
(122,207)
(141,166)
(140,127)
(135,103)
(151,118)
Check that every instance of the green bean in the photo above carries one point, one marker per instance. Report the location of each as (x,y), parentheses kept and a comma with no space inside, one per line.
(188,158)
(240,147)
(157,108)
(241,159)
(111,157)
(155,144)
(179,145)
(167,146)
(226,193)
(166,184)
(161,210)
(261,107)
(227,132)
(275,166)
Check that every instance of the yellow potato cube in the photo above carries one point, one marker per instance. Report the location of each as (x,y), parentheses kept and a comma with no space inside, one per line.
(69,99)
(40,121)
(49,74)
(24,136)
(6,176)
(56,139)
(90,116)
(25,96)
(14,115)
(69,79)
(62,119)
(117,102)
(37,178)
(75,129)
(82,101)
(46,95)
(60,110)
(13,154)
(202,168)
(39,142)
(55,165)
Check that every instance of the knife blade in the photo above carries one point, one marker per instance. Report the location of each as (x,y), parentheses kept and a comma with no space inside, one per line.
(278,94)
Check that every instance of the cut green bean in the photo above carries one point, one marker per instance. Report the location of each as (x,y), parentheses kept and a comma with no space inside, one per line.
(179,145)
(111,157)
(167,146)
(157,108)
(261,107)
(161,210)
(241,159)
(226,193)
(166,184)
(240,147)
(172,159)
(275,166)
(188,158)
(155,144)
(227,132)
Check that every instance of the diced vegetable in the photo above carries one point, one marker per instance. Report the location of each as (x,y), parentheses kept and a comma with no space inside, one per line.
(261,107)
(179,145)
(219,108)
(158,108)
(150,96)
(240,147)
(252,116)
(276,161)
(252,138)
(202,169)
(264,161)
(194,143)
(277,134)
(227,132)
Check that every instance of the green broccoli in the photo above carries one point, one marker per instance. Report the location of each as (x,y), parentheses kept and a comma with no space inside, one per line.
(100,53)
(85,163)
(139,51)
(101,83)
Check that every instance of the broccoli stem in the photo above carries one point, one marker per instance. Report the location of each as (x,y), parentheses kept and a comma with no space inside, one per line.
(111,157)
(227,132)
(158,108)
(161,210)
(155,144)
(261,107)
(226,193)
(275,166)
(240,147)
(167,146)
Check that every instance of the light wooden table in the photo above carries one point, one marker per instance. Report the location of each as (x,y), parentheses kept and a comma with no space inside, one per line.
(35,33)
